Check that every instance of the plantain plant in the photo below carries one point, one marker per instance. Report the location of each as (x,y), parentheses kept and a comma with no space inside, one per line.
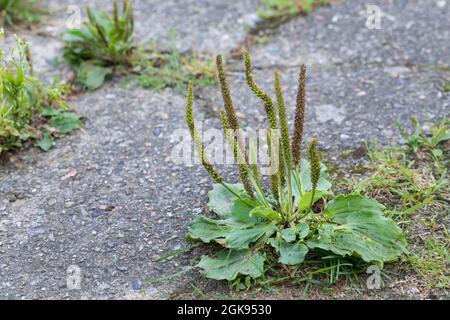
(298,215)
(103,43)
(29,109)
(16,11)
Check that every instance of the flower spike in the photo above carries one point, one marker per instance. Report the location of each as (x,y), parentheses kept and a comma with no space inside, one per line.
(196,137)
(297,139)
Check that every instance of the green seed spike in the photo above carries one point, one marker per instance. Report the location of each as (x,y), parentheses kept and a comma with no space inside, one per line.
(196,137)
(283,119)
(238,155)
(274,177)
(314,161)
(228,102)
(233,123)
(299,123)
(286,149)
(268,103)
(232,118)
(271,116)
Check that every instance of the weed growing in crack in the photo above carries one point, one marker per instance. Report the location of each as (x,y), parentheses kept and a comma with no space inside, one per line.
(428,142)
(446,87)
(262,233)
(158,69)
(13,12)
(276,12)
(431,262)
(105,46)
(103,43)
(28,108)
(415,176)
(413,182)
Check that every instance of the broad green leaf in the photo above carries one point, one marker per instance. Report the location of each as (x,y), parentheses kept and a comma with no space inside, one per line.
(65,122)
(360,229)
(323,187)
(241,210)
(353,203)
(266,214)
(229,233)
(51,112)
(207,230)
(437,153)
(221,201)
(305,201)
(229,264)
(303,230)
(95,77)
(324,183)
(46,143)
(290,253)
(288,234)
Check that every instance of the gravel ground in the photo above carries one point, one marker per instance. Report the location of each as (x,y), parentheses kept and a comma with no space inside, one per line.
(108,199)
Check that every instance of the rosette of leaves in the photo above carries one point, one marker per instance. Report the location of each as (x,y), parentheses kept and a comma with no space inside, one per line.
(16,11)
(28,108)
(103,43)
(298,215)
(276,12)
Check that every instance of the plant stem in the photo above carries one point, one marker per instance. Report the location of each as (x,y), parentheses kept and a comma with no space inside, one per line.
(312,200)
(236,194)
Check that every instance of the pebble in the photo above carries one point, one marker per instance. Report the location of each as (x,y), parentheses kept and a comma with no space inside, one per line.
(161,115)
(121,268)
(157,132)
(136,284)
(413,291)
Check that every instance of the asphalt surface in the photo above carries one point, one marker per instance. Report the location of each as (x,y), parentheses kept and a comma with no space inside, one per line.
(109,200)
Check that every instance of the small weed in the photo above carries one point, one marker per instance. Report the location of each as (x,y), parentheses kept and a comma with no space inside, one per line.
(19,11)
(28,108)
(410,178)
(446,87)
(432,261)
(285,9)
(414,182)
(426,140)
(105,46)
(158,70)
(103,43)
(393,176)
